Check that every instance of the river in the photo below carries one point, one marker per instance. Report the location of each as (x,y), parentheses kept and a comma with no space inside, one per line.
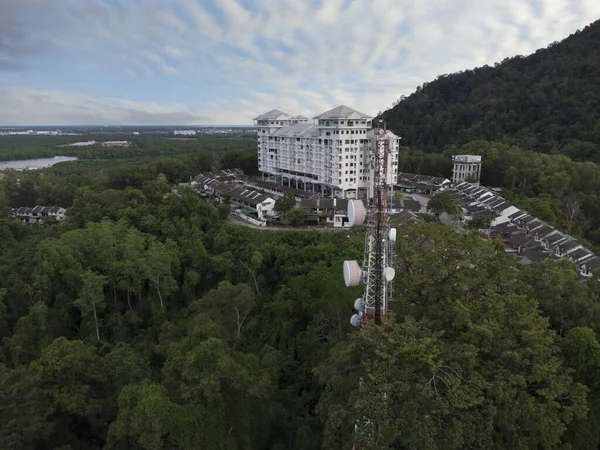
(35,163)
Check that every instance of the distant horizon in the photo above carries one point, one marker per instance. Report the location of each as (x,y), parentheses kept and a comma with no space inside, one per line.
(121,126)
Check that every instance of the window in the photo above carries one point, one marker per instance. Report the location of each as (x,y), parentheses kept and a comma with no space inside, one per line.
(328,134)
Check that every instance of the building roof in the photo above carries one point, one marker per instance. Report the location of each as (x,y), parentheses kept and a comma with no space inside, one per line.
(555,238)
(505,228)
(342,112)
(569,245)
(411,204)
(241,194)
(534,255)
(519,240)
(544,230)
(298,130)
(517,214)
(579,254)
(404,216)
(341,204)
(274,114)
(592,264)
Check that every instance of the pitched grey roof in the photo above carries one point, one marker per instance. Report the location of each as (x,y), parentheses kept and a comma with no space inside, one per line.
(516,215)
(411,204)
(579,255)
(297,130)
(534,255)
(592,264)
(342,112)
(567,246)
(272,115)
(544,231)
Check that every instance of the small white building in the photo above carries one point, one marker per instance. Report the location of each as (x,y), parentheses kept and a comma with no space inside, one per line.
(466,168)
(184,132)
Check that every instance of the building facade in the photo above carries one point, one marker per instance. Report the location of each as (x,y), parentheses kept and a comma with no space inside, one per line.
(330,155)
(466,168)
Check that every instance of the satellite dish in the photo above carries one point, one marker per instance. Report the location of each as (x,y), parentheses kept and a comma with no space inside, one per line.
(359,305)
(356,212)
(389,273)
(356,321)
(352,273)
(392,235)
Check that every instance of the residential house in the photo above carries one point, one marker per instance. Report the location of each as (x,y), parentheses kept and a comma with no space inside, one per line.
(38,214)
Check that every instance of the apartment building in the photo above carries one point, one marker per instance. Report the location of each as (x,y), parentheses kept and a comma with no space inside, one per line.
(466,168)
(330,155)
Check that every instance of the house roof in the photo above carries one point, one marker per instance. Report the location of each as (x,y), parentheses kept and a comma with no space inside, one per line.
(569,245)
(404,216)
(579,254)
(241,194)
(505,228)
(343,112)
(555,238)
(534,255)
(517,215)
(544,230)
(410,204)
(532,225)
(592,264)
(274,114)
(518,240)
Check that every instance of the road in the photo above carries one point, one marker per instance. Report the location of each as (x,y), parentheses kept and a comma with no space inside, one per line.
(235,221)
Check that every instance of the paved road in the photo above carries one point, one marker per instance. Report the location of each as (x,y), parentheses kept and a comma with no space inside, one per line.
(240,222)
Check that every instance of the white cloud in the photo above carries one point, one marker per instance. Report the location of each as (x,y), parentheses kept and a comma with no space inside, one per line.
(294,55)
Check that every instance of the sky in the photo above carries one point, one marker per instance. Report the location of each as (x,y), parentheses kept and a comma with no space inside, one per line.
(224,62)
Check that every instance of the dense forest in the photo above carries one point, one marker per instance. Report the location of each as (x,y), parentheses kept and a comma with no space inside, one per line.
(32,147)
(548,102)
(146,320)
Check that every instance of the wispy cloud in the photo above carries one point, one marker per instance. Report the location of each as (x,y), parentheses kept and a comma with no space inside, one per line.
(225,61)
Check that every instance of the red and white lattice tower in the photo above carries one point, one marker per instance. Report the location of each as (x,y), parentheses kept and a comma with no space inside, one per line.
(376,272)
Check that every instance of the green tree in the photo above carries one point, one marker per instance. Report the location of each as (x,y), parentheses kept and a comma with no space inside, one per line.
(442,203)
(285,203)
(91,298)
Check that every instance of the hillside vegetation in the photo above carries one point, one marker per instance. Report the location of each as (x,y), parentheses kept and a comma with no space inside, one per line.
(548,102)
(146,321)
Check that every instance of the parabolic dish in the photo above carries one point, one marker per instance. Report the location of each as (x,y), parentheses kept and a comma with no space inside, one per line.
(359,305)
(356,321)
(356,212)
(352,273)
(389,273)
(392,235)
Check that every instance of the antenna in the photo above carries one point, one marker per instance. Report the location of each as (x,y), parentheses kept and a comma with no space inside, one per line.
(376,272)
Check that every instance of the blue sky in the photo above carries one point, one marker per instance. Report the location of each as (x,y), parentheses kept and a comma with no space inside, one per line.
(220,62)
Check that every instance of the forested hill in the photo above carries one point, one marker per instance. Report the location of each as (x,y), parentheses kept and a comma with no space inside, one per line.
(547,102)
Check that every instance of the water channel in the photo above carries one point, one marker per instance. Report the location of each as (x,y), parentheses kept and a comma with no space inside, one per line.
(35,163)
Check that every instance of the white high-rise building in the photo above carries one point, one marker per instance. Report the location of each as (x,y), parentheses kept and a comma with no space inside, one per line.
(331,155)
(466,168)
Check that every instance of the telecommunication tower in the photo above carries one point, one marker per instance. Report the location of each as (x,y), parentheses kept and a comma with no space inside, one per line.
(376,272)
